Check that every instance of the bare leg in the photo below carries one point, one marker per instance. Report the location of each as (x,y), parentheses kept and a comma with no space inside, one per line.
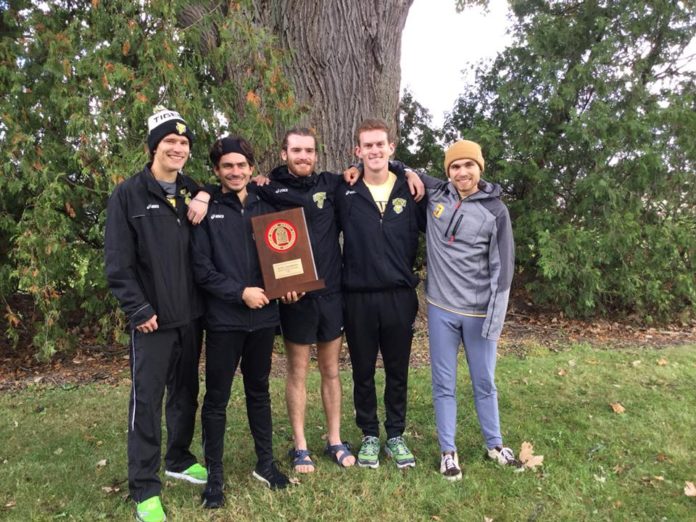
(296,394)
(327,355)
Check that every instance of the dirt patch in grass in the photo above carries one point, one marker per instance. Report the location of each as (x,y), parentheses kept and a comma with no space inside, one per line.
(524,333)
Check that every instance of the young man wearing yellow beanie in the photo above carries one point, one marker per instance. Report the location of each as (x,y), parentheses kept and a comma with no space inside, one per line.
(470,253)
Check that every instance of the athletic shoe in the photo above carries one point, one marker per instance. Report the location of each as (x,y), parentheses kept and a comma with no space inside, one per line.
(449,466)
(196,474)
(213,496)
(271,476)
(150,510)
(368,456)
(503,456)
(396,448)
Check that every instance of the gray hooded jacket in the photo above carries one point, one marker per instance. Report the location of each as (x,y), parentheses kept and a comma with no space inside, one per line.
(471,253)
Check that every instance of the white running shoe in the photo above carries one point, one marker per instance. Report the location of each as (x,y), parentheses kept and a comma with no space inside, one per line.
(449,466)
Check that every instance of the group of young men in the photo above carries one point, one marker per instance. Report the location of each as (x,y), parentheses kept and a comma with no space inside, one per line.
(181,259)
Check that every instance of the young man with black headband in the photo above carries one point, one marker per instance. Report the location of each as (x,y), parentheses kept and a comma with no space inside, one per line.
(240,319)
(148,270)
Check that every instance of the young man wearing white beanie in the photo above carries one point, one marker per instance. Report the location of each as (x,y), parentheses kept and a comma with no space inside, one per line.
(148,269)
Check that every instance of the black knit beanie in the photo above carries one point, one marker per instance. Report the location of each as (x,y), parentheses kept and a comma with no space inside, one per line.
(164,122)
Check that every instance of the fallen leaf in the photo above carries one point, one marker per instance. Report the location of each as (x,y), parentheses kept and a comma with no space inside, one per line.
(635,364)
(435,517)
(616,406)
(527,457)
(487,519)
(110,489)
(253,98)
(294,480)
(101,463)
(662,362)
(562,372)
(652,481)
(58,451)
(70,210)
(618,504)
(13,503)
(689,489)
(600,479)
(661,457)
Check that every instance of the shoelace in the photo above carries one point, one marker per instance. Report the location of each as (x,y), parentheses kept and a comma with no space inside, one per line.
(449,463)
(507,454)
(400,448)
(370,447)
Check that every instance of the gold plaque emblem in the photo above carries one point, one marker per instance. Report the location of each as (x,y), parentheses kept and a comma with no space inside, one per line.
(319,199)
(437,211)
(399,205)
(281,235)
(180,128)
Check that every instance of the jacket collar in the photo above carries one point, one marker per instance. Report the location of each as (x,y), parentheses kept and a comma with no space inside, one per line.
(284,176)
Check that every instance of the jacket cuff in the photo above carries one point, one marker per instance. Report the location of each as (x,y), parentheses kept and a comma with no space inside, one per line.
(141,315)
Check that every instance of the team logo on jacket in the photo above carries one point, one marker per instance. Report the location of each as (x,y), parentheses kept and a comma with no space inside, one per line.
(186,195)
(437,211)
(319,199)
(399,205)
(281,235)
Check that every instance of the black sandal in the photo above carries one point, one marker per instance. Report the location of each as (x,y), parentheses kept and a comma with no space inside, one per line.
(332,452)
(300,457)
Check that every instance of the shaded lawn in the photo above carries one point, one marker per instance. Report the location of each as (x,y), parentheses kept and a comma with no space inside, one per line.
(598,465)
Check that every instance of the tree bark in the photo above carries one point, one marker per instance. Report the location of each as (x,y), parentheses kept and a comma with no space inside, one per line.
(344,64)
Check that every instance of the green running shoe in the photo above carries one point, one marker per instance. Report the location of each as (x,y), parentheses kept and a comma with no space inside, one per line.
(396,448)
(150,510)
(368,457)
(196,474)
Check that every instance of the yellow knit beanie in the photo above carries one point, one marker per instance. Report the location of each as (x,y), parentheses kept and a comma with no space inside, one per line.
(463,149)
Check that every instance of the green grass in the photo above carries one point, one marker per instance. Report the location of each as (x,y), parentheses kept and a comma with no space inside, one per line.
(598,465)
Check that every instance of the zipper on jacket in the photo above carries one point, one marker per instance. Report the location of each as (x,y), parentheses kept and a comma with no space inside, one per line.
(454,230)
(246,268)
(447,236)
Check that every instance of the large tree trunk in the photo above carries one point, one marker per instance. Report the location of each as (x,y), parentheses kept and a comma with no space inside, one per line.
(344,64)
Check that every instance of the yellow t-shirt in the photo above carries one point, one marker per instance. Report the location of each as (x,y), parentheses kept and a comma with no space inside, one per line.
(381,193)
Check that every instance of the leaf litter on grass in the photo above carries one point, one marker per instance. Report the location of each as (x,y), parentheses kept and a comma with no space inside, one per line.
(527,457)
(617,407)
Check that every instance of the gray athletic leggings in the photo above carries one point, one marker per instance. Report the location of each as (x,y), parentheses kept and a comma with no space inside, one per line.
(446,331)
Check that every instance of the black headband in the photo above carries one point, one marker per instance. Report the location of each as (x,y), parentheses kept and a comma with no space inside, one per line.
(228,145)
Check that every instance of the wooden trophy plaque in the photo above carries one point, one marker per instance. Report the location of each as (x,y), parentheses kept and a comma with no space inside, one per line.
(285,253)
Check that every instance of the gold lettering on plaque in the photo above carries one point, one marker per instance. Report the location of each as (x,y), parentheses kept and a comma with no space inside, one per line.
(288,268)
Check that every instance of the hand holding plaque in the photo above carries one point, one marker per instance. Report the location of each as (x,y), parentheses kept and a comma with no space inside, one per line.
(285,253)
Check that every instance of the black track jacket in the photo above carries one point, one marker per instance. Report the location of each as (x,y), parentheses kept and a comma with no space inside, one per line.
(146,249)
(379,251)
(225,262)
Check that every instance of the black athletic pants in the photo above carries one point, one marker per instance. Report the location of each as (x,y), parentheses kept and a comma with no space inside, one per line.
(223,353)
(161,359)
(380,321)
